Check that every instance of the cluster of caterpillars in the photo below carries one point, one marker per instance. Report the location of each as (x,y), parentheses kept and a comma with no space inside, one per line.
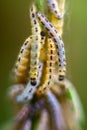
(40,74)
(31,54)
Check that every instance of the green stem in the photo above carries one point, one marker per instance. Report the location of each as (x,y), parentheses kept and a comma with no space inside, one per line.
(40,5)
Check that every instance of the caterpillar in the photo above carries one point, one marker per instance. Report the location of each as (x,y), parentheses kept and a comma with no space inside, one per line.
(22,64)
(54,8)
(59,45)
(58,23)
(29,91)
(50,66)
(36,46)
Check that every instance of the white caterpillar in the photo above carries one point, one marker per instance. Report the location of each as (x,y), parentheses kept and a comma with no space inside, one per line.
(59,44)
(57,7)
(53,4)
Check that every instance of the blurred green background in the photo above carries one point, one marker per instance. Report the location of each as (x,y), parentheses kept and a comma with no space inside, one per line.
(15,28)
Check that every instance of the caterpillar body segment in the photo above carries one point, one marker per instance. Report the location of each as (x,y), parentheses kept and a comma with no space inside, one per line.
(42,38)
(53,4)
(51,56)
(59,45)
(43,47)
(50,66)
(36,29)
(22,64)
(36,46)
(56,112)
(57,9)
(58,23)
(29,91)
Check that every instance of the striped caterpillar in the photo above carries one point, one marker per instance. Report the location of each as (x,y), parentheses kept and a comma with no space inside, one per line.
(53,4)
(50,66)
(59,44)
(36,46)
(60,8)
(22,64)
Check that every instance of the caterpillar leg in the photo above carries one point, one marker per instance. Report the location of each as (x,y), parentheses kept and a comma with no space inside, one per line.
(59,45)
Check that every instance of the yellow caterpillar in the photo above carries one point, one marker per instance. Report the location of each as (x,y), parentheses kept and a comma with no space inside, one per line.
(20,70)
(50,66)
(36,46)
